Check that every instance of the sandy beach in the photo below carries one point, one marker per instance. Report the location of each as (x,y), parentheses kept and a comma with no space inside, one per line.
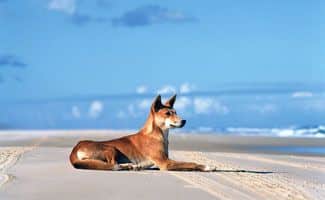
(34,165)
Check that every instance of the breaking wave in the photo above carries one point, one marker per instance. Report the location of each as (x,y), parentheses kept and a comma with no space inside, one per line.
(307,131)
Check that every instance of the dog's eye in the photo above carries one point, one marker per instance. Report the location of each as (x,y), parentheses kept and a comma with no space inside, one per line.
(167,113)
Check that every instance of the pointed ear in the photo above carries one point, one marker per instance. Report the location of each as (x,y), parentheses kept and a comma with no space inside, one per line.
(156,104)
(170,102)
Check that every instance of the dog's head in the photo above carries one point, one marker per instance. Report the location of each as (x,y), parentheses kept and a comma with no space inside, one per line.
(165,116)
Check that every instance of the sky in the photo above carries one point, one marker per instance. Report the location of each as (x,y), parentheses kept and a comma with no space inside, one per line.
(74,49)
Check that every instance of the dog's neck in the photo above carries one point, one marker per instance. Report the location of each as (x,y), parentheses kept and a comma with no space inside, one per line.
(151,129)
(149,126)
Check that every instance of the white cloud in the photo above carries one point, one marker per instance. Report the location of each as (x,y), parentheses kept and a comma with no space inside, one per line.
(131,110)
(121,114)
(205,129)
(182,103)
(141,89)
(175,15)
(135,109)
(186,88)
(302,94)
(66,6)
(95,109)
(205,105)
(144,104)
(75,111)
(167,89)
(265,108)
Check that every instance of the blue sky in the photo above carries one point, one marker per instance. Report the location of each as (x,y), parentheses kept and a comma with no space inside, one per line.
(80,47)
(52,49)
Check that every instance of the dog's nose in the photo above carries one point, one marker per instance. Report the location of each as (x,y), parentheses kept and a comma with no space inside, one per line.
(183,122)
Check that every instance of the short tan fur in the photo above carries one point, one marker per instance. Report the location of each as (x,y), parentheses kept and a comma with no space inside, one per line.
(142,150)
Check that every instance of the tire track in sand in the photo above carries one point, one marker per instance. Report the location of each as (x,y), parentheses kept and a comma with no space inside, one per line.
(305,165)
(237,185)
(9,156)
(216,189)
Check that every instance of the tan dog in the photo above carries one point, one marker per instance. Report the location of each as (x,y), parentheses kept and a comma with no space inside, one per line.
(147,148)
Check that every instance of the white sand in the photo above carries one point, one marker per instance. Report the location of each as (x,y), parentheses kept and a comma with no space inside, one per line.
(45,173)
(8,157)
(259,176)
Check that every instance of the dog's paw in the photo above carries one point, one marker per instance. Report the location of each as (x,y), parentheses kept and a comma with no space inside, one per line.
(136,167)
(125,166)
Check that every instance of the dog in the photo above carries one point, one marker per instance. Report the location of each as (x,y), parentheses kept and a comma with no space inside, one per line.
(143,150)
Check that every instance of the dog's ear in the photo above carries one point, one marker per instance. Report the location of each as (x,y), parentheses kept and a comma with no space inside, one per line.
(156,104)
(170,102)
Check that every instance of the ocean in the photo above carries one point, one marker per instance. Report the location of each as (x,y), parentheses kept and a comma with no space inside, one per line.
(280,114)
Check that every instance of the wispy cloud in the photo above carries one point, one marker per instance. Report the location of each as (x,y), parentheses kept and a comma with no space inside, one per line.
(70,8)
(206,105)
(302,94)
(167,89)
(95,109)
(183,102)
(75,111)
(186,88)
(65,6)
(145,104)
(121,114)
(141,89)
(141,16)
(139,108)
(136,109)
(10,60)
(151,14)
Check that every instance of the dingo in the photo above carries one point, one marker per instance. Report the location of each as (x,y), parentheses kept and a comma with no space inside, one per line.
(147,148)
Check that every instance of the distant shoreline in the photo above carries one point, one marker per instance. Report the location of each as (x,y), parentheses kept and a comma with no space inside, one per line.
(303,131)
(178,141)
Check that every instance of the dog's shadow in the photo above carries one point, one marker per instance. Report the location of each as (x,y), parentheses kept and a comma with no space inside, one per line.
(224,171)
(244,171)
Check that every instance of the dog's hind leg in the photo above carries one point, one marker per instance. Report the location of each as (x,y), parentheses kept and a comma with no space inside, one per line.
(94,164)
(104,160)
(113,156)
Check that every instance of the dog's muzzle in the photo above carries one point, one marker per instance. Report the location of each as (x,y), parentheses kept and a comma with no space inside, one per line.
(183,122)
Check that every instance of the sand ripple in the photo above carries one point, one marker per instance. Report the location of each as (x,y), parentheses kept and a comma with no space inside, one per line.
(8,157)
(281,180)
